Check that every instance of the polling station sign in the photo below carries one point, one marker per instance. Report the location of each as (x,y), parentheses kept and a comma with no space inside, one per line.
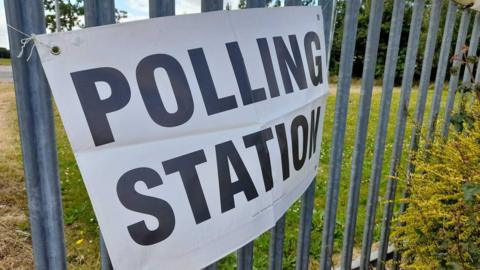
(194,133)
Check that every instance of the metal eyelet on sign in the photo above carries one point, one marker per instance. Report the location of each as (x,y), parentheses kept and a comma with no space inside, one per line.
(55,50)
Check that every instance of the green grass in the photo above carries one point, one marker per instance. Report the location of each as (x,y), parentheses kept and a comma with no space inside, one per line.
(5,62)
(82,230)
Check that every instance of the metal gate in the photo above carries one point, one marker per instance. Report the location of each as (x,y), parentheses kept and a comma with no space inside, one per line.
(39,147)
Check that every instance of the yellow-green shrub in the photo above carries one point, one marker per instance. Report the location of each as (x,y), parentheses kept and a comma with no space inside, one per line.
(441,227)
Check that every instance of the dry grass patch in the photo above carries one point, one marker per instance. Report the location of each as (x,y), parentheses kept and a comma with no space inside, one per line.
(15,241)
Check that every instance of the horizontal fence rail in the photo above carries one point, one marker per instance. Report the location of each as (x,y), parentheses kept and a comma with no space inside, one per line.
(36,125)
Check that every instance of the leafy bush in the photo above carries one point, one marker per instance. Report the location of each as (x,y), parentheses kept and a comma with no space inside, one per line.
(440,229)
(441,226)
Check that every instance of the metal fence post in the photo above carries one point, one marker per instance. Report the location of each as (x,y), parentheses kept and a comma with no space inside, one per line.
(213,266)
(453,84)
(105,262)
(373,38)
(477,73)
(293,3)
(100,12)
(245,254)
(424,81)
(305,227)
(341,106)
(206,6)
(388,81)
(245,257)
(421,101)
(329,18)
(441,70)
(402,113)
(308,198)
(160,8)
(277,237)
(473,45)
(211,5)
(256,3)
(57,16)
(37,133)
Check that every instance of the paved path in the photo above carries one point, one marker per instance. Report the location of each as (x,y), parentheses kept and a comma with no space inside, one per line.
(6,74)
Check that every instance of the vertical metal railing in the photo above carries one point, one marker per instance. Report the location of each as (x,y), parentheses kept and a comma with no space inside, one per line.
(105,262)
(100,12)
(293,3)
(454,77)
(341,107)
(37,134)
(368,76)
(421,100)
(277,237)
(57,16)
(441,70)
(472,46)
(206,6)
(160,8)
(388,82)
(305,227)
(402,112)
(477,72)
(329,16)
(472,51)
(211,5)
(424,82)
(245,254)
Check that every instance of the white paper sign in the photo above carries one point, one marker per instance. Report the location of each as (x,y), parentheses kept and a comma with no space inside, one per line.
(195,133)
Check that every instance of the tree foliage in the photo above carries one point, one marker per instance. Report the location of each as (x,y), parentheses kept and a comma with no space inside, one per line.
(242,4)
(4,53)
(362,32)
(71,12)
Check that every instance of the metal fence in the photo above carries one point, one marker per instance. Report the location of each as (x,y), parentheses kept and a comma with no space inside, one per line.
(39,147)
